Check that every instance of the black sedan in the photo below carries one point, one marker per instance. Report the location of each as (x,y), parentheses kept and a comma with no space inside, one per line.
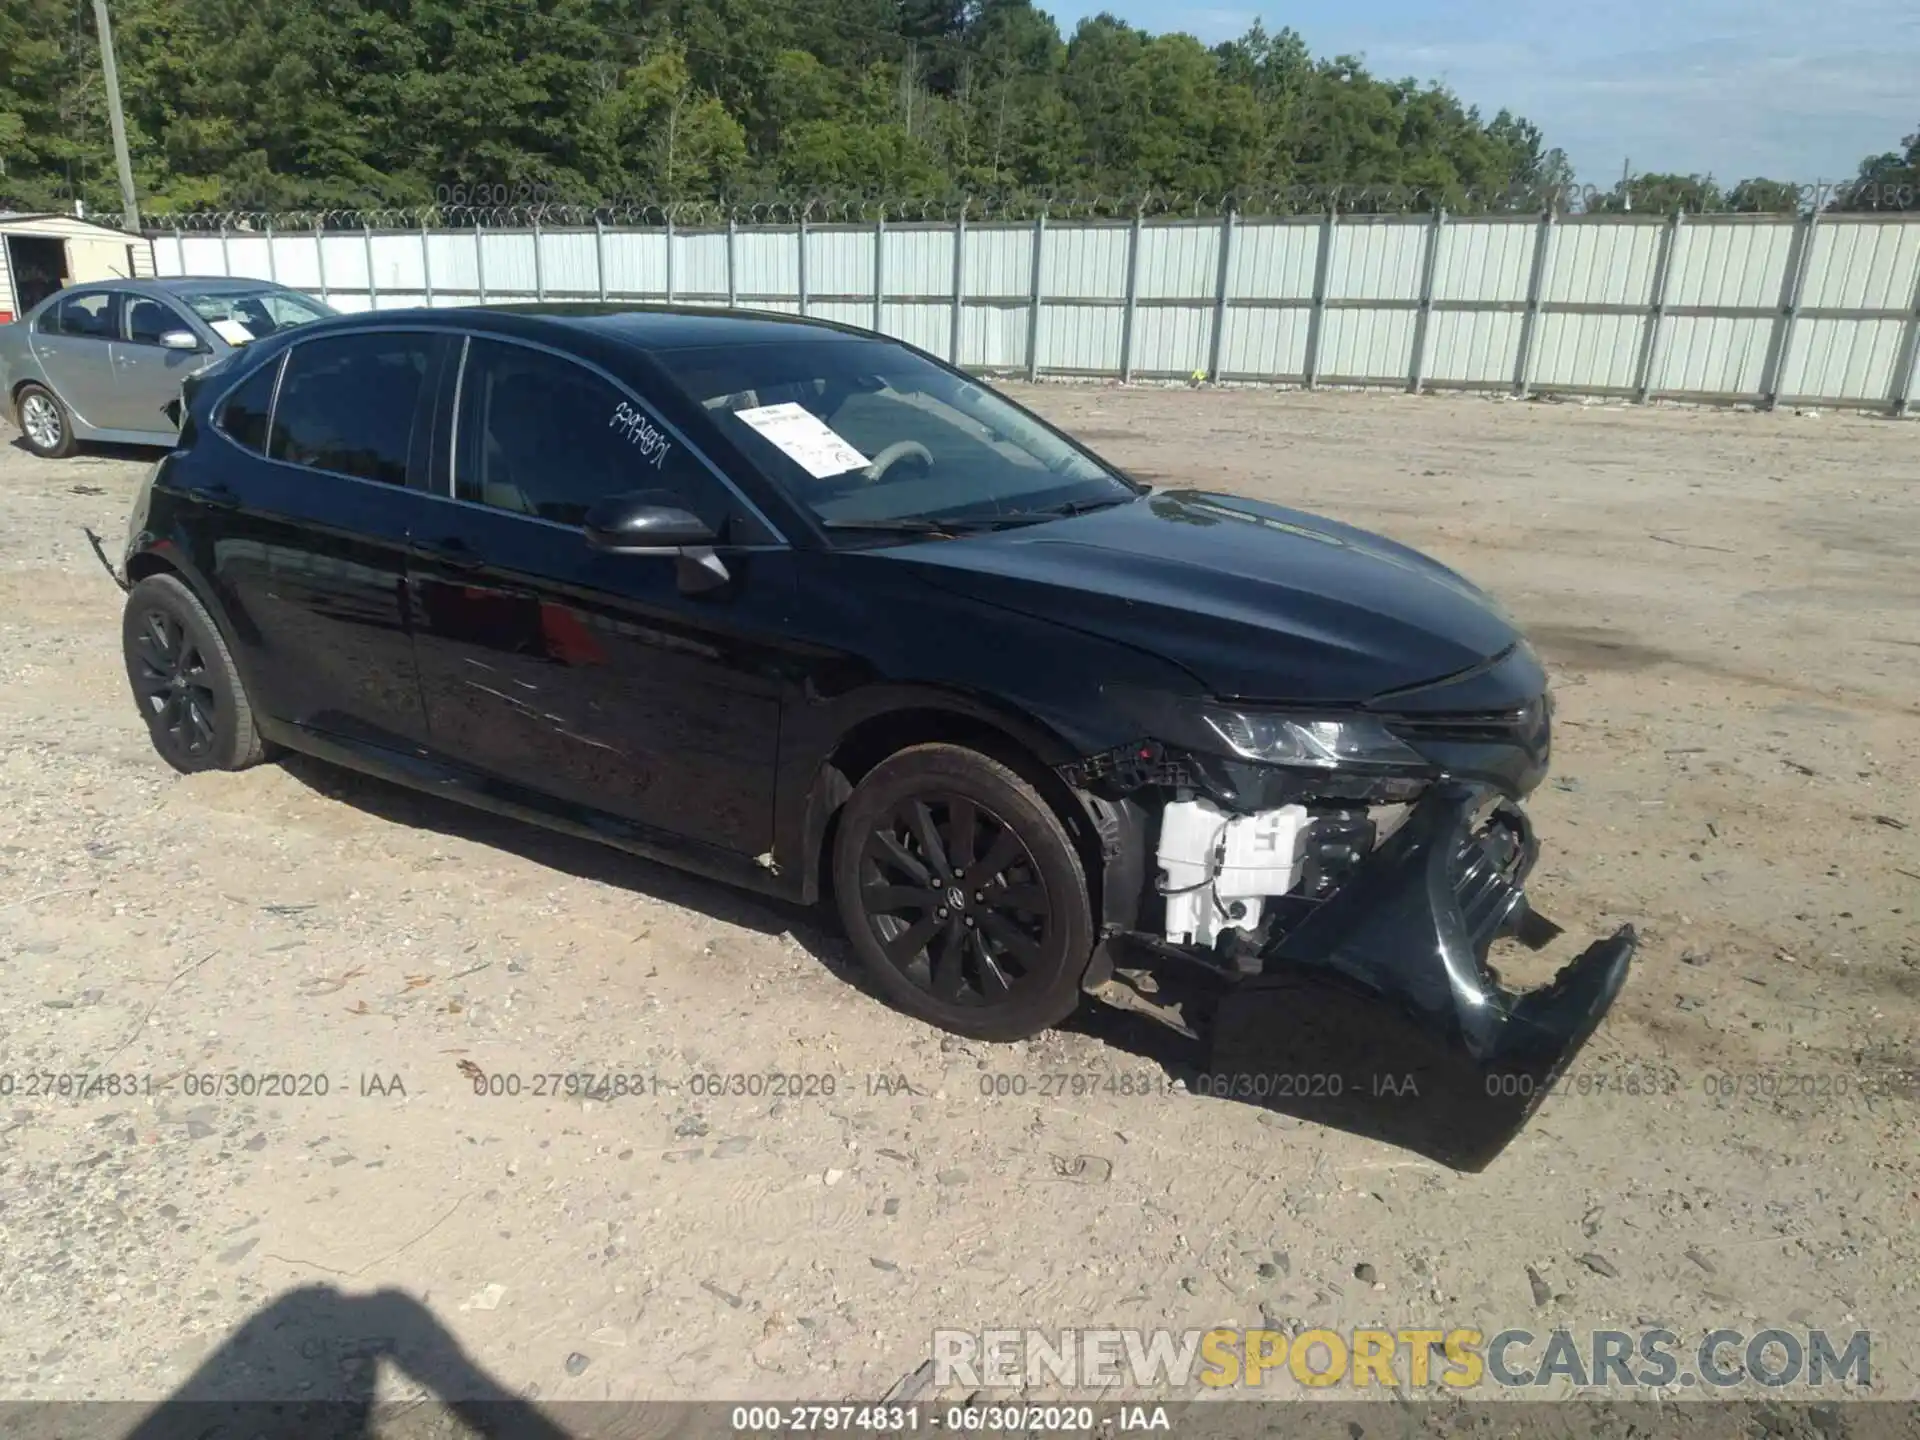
(804,609)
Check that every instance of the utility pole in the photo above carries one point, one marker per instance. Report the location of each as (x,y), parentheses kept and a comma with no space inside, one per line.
(129,207)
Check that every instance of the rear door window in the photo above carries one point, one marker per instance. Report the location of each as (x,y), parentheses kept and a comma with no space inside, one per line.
(94,316)
(349,404)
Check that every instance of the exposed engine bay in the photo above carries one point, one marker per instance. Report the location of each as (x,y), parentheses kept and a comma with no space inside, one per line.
(1221,871)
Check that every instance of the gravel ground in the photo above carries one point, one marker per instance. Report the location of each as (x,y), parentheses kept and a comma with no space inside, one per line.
(1728,602)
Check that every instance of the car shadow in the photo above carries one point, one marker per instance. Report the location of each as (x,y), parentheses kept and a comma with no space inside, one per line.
(309,1364)
(813,927)
(1326,1047)
(99,449)
(1316,1069)
(816,928)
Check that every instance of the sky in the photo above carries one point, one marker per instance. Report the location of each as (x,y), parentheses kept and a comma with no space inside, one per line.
(1785,89)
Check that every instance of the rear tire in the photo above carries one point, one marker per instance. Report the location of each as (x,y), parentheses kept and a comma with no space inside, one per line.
(44,422)
(962,894)
(184,680)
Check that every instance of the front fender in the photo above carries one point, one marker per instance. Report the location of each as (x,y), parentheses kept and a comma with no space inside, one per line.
(812,787)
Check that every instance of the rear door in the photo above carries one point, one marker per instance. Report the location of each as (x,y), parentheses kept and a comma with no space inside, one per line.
(589,678)
(313,482)
(73,341)
(146,374)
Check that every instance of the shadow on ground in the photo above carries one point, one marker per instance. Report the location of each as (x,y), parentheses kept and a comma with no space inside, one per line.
(97,449)
(813,927)
(309,1366)
(1337,1066)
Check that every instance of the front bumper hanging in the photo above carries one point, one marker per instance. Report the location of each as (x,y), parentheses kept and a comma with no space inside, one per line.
(1378,1012)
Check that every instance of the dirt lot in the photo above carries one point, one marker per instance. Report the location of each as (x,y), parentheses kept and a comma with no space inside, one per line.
(1731,607)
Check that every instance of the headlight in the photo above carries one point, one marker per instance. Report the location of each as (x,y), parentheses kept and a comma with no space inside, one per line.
(1318,742)
(1323,742)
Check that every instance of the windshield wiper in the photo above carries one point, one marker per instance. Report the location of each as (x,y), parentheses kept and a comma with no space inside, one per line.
(905,525)
(1011,519)
(947,525)
(1086,507)
(966,524)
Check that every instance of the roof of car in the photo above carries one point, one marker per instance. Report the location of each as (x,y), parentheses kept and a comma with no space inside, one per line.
(173,285)
(199,284)
(650,328)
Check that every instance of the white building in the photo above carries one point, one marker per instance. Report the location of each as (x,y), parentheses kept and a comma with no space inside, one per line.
(41,253)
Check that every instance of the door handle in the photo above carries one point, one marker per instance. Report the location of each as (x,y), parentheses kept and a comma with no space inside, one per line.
(450,554)
(217,497)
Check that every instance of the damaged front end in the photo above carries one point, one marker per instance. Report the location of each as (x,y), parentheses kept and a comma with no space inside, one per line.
(1324,927)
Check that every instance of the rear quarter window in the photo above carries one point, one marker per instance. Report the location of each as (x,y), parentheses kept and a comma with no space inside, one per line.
(243,415)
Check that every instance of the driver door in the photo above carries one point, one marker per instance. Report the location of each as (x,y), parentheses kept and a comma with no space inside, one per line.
(146,375)
(593,680)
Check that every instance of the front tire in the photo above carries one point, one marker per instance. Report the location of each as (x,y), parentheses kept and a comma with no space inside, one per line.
(44,422)
(962,894)
(184,680)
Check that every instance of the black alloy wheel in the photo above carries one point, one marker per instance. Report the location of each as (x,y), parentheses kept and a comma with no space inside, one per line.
(170,678)
(184,680)
(963,894)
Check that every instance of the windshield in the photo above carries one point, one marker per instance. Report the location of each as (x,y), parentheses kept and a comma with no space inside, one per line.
(862,433)
(238,316)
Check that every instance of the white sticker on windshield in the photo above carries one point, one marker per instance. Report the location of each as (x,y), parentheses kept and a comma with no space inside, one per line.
(805,438)
(231,331)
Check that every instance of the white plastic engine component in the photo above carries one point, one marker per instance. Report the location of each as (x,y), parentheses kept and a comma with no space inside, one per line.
(1263,853)
(1217,869)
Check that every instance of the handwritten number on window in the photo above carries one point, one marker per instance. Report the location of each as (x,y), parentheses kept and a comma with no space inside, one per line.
(641,433)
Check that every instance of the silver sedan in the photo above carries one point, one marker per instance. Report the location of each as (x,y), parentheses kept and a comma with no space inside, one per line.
(104,361)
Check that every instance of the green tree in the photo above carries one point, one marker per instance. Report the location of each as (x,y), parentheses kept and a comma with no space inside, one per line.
(57,147)
(657,135)
(1664,194)
(1155,112)
(1889,181)
(1765,197)
(350,104)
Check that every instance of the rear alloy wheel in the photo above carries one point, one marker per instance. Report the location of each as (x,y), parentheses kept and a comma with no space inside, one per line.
(44,423)
(184,680)
(962,894)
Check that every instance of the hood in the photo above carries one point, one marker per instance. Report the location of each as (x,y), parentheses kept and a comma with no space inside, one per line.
(1257,601)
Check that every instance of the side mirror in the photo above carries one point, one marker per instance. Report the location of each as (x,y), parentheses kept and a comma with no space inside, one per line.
(643,521)
(180,340)
(653,522)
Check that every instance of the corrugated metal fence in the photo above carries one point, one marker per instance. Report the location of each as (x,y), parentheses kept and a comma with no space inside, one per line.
(1815,309)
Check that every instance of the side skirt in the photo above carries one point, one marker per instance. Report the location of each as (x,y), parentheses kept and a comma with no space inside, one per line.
(431,775)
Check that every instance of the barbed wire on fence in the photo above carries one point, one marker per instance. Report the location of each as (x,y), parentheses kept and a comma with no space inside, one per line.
(840,210)
(531,207)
